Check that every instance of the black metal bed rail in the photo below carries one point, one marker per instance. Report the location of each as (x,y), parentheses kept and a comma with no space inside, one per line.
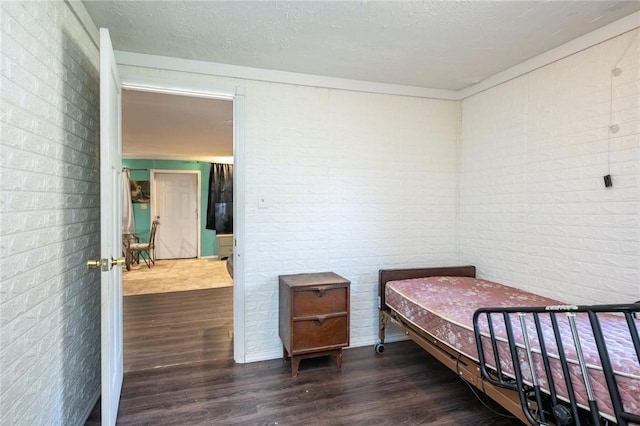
(545,405)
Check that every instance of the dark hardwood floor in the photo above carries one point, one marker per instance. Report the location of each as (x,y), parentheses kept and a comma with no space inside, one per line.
(184,327)
(404,385)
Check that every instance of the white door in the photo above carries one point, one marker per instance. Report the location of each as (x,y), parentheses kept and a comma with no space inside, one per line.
(176,206)
(110,232)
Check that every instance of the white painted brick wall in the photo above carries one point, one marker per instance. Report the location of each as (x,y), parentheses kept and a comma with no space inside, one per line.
(344,175)
(49,223)
(534,212)
(354,182)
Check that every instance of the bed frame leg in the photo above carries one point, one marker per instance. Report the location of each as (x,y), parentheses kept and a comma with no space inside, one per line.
(379,347)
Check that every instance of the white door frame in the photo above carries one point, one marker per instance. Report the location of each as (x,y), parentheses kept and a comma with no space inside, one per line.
(154,195)
(235,94)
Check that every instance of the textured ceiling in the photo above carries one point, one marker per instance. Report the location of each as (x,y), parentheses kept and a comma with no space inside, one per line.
(432,44)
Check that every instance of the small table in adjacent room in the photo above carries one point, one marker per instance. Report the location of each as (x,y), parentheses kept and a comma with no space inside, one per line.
(314,316)
(225,246)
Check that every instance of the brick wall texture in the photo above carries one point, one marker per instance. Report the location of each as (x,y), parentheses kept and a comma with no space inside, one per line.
(534,211)
(49,223)
(509,179)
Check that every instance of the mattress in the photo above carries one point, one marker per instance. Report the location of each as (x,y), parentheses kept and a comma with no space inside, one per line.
(444,308)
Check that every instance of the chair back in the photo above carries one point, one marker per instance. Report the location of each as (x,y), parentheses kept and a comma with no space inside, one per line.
(152,235)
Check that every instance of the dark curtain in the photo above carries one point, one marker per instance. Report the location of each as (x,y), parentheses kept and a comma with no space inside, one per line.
(220,203)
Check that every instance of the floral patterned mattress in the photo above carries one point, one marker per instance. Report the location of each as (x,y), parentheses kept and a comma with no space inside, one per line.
(444,308)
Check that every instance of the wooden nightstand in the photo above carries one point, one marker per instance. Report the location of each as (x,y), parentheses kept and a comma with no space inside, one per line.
(225,245)
(314,316)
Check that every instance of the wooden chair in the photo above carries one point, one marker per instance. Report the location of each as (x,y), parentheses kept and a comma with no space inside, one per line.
(146,251)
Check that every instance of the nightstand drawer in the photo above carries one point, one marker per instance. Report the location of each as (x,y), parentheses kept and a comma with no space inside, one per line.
(319,300)
(320,334)
(225,252)
(225,245)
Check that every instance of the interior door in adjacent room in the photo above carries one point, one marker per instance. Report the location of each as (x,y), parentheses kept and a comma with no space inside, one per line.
(177,206)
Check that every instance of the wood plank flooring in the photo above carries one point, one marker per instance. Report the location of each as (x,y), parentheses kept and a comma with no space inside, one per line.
(404,385)
(167,329)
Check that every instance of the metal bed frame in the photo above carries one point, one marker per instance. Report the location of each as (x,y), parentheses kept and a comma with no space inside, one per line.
(542,407)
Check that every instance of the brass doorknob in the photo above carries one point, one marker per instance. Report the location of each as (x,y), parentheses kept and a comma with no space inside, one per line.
(94,263)
(106,264)
(118,261)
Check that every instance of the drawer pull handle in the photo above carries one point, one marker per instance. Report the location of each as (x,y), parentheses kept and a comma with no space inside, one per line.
(321,318)
(320,290)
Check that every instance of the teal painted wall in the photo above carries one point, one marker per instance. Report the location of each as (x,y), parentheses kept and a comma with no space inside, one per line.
(208,243)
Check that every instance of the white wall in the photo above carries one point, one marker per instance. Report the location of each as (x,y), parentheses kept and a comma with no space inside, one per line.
(49,302)
(354,182)
(534,212)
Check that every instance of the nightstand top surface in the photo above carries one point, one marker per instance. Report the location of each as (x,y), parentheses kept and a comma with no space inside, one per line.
(314,278)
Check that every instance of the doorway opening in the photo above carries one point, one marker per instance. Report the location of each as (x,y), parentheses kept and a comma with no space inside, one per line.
(179,310)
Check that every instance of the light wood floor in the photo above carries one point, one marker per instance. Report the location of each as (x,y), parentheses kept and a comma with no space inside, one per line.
(175,275)
(189,377)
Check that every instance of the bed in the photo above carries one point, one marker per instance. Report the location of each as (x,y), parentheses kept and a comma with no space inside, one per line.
(477,328)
